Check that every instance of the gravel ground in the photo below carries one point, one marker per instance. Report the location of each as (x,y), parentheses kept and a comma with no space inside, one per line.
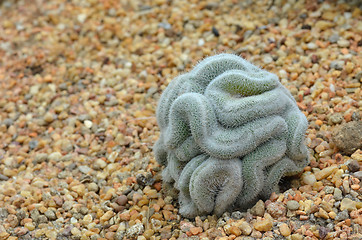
(79,84)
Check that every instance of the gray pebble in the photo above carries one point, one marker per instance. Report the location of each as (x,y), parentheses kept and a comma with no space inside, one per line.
(338,65)
(328,189)
(3,177)
(84,169)
(353,166)
(33,144)
(8,122)
(292,205)
(237,215)
(336,118)
(3,213)
(337,195)
(50,215)
(358,175)
(42,219)
(333,38)
(342,215)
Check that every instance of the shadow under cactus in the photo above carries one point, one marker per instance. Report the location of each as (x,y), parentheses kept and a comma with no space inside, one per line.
(229,132)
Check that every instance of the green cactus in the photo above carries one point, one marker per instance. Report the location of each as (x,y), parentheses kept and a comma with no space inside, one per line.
(229,132)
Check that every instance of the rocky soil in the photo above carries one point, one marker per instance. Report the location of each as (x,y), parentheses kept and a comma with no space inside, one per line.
(79,84)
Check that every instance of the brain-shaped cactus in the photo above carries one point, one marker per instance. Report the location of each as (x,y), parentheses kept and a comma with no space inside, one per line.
(229,132)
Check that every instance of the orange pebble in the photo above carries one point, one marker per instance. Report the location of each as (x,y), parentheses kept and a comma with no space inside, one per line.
(318,122)
(355,187)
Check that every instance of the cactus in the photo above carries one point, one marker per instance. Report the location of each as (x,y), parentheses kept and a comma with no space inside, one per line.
(229,132)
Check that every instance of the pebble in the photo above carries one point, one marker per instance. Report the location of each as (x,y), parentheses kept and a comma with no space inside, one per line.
(325,172)
(292,205)
(338,65)
(245,228)
(353,166)
(348,137)
(55,156)
(121,200)
(309,178)
(284,230)
(258,209)
(333,38)
(343,43)
(50,215)
(263,225)
(348,204)
(134,230)
(276,209)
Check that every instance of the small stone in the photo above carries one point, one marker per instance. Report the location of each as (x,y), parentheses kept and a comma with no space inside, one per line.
(87,219)
(30,226)
(292,205)
(357,155)
(3,177)
(81,17)
(121,200)
(80,189)
(41,157)
(358,175)
(267,59)
(348,137)
(84,169)
(348,204)
(50,215)
(309,178)
(333,38)
(323,214)
(99,164)
(323,25)
(276,209)
(237,215)
(258,209)
(343,43)
(135,230)
(55,156)
(337,194)
(284,229)
(296,236)
(88,124)
(245,228)
(325,172)
(48,117)
(341,216)
(263,225)
(93,187)
(323,231)
(336,118)
(75,231)
(148,233)
(195,230)
(312,46)
(338,65)
(106,216)
(353,166)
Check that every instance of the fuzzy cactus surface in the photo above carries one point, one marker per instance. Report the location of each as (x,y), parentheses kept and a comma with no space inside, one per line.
(229,131)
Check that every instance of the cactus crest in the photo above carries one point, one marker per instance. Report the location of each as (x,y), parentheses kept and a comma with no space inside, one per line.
(229,132)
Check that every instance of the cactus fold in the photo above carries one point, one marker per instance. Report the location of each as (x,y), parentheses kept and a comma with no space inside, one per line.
(229,132)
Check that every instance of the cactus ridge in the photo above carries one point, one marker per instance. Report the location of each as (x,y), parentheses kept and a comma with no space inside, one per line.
(228,132)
